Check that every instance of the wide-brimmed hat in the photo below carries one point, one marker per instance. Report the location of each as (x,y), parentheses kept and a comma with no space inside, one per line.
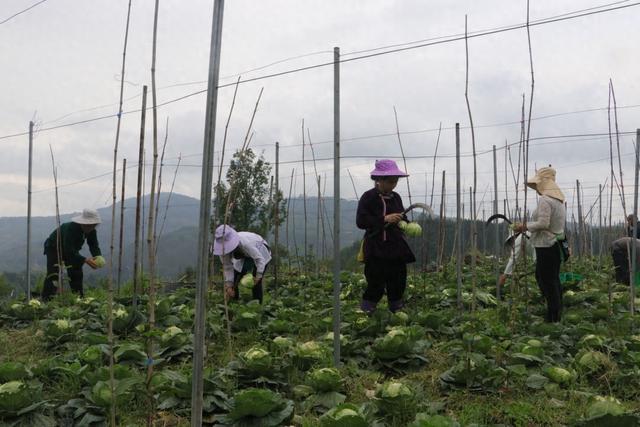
(386,167)
(88,217)
(226,240)
(544,182)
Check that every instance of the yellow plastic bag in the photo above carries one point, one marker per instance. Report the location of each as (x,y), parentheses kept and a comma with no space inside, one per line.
(360,256)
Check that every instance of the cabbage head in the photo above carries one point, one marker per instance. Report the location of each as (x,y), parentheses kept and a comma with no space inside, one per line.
(394,397)
(344,415)
(397,343)
(257,360)
(310,350)
(14,396)
(592,361)
(325,379)
(559,375)
(413,229)
(247,280)
(92,355)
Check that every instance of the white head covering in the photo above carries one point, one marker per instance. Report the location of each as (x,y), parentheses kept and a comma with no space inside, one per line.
(88,217)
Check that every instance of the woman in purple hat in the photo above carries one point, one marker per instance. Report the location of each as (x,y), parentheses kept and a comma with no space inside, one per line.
(241,253)
(386,251)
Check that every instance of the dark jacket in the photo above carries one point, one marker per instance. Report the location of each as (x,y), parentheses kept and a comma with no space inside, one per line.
(380,242)
(72,240)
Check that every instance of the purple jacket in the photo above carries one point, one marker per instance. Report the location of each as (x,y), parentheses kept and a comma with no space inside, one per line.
(380,242)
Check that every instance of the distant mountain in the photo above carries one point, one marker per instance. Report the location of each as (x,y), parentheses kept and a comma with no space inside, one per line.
(178,241)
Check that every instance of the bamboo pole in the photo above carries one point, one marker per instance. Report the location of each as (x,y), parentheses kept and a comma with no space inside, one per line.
(599,226)
(121,240)
(304,204)
(433,168)
(318,207)
(580,237)
(324,215)
(29,211)
(205,216)
(318,214)
(218,195)
(295,237)
(496,249)
(112,411)
(458,239)
(287,220)
(336,206)
(136,247)
(525,158)
(634,249)
(151,248)
(404,159)
(61,265)
(472,204)
(353,184)
(166,207)
(441,226)
(276,222)
(612,174)
(615,116)
(159,191)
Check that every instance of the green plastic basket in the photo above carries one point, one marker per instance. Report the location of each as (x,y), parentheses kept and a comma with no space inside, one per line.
(568,277)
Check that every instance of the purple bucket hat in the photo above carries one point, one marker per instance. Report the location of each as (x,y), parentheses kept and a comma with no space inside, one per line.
(226,240)
(386,167)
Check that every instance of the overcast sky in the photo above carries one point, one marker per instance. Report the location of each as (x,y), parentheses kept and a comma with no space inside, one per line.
(61,64)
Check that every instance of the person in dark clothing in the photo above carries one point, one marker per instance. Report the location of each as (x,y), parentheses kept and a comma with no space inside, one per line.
(72,237)
(621,250)
(386,251)
(630,220)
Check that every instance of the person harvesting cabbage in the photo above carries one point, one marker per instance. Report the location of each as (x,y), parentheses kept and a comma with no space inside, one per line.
(386,251)
(241,253)
(547,230)
(72,237)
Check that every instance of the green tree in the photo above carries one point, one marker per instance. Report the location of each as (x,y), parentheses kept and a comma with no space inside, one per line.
(251,198)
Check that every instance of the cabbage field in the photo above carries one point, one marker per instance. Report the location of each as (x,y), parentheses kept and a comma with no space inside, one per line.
(430,365)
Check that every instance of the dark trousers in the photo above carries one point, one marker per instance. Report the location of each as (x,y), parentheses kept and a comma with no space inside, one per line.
(74,273)
(248,267)
(382,275)
(548,278)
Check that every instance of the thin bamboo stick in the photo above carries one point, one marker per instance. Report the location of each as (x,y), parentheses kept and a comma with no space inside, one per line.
(136,250)
(121,241)
(304,203)
(404,159)
(287,220)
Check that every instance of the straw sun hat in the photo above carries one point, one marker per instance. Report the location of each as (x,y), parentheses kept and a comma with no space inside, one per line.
(544,182)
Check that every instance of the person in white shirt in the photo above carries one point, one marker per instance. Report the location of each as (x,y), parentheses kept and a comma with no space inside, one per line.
(514,245)
(241,253)
(547,228)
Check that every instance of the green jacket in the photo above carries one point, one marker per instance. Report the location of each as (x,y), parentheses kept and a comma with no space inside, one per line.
(72,241)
